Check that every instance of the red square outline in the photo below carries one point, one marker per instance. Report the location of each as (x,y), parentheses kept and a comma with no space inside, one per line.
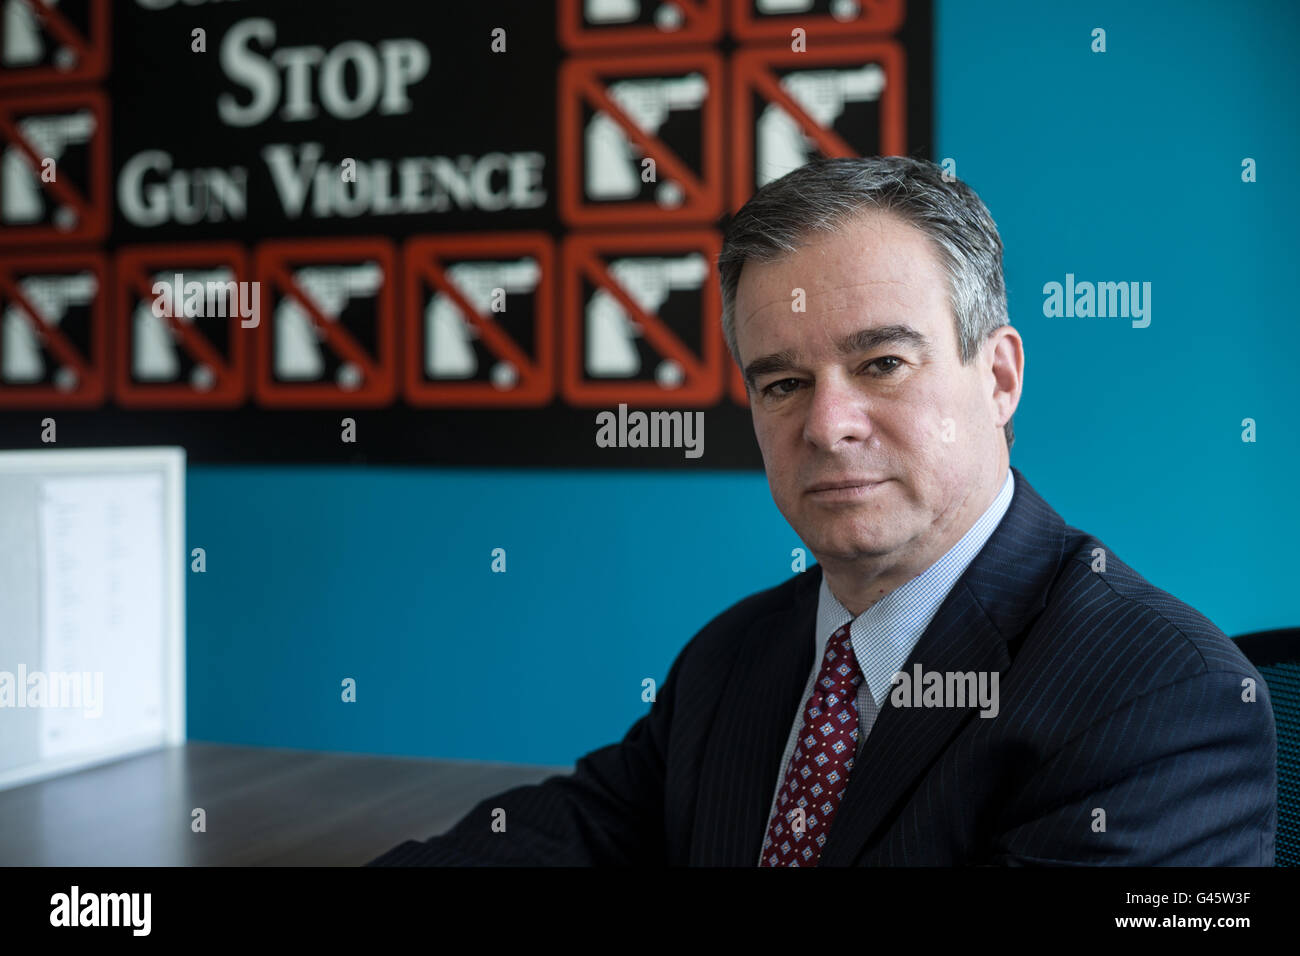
(134,269)
(750,71)
(536,384)
(702,201)
(703,381)
(93,207)
(379,383)
(92,382)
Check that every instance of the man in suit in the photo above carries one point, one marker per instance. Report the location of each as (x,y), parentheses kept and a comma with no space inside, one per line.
(962,678)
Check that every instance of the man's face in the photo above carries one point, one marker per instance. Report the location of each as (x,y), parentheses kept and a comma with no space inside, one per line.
(894,408)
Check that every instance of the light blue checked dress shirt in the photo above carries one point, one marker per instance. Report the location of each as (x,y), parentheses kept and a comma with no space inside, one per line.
(884,634)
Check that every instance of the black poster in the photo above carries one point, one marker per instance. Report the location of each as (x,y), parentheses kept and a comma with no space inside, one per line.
(434,233)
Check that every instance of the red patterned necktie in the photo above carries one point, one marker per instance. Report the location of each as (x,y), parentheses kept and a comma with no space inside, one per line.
(820,765)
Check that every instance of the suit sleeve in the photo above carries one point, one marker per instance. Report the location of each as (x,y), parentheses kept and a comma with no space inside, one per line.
(1185,775)
(609,811)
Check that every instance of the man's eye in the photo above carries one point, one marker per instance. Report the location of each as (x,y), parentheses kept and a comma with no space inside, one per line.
(887,358)
(887,365)
(773,390)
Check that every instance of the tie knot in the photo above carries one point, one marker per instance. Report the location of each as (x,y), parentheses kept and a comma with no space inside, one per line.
(840,665)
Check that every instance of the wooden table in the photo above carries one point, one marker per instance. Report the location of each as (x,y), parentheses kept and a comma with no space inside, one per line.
(265,806)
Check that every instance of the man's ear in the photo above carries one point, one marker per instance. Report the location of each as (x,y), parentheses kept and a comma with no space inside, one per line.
(1005,352)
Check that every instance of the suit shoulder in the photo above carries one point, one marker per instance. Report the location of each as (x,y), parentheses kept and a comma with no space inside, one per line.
(1127,614)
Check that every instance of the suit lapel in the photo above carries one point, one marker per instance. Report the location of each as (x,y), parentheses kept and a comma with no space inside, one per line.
(752,724)
(904,741)
(991,604)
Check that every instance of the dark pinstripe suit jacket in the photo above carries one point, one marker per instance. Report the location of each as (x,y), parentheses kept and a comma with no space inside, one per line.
(1114,697)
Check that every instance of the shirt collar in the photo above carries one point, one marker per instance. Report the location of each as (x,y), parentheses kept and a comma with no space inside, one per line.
(884,634)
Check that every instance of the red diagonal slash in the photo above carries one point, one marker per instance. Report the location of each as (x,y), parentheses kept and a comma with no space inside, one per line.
(275,262)
(339,339)
(493,335)
(827,140)
(139,270)
(50,335)
(654,331)
(57,186)
(583,84)
(753,72)
(89,390)
(650,144)
(58,26)
(424,267)
(200,348)
(92,207)
(583,260)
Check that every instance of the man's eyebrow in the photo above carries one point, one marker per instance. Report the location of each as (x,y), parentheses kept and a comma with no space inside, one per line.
(868,339)
(863,340)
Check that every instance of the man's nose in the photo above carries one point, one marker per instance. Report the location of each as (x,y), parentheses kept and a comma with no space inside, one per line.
(836,412)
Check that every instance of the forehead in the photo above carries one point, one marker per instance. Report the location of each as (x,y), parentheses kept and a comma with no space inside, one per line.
(875,268)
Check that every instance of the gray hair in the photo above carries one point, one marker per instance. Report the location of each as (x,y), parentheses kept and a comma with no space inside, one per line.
(826,193)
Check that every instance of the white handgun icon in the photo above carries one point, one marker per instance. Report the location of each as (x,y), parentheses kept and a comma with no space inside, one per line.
(21,197)
(780,143)
(613,163)
(21,361)
(610,351)
(297,349)
(153,343)
(447,350)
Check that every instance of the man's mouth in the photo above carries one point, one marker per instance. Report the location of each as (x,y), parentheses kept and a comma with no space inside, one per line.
(845,489)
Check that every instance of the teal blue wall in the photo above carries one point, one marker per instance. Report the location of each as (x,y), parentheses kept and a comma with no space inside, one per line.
(1127,166)
(1115,167)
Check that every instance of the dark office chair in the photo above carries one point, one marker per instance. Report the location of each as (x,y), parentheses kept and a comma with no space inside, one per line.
(1276,655)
